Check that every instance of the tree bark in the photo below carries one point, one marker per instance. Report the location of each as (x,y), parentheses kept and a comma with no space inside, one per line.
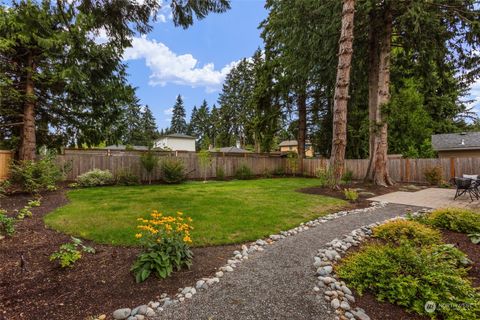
(28,138)
(372,92)
(302,127)
(345,52)
(380,172)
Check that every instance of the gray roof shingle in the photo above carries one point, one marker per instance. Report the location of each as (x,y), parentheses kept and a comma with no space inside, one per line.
(456,141)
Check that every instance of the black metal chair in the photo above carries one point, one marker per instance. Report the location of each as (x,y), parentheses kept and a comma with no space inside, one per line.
(466,185)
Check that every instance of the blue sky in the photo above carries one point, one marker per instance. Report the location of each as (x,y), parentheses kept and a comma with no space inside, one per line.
(192,62)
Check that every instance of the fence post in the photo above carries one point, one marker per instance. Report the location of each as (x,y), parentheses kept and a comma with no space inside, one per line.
(407,170)
(452,167)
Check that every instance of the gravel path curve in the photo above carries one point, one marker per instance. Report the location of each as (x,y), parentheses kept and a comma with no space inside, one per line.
(278,282)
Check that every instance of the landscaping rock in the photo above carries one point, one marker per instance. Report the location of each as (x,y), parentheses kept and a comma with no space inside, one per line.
(335,303)
(121,314)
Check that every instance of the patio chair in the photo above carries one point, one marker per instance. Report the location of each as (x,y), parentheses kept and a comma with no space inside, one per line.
(466,185)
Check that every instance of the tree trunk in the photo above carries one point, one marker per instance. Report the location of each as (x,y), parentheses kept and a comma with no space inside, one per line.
(345,52)
(28,138)
(302,127)
(372,92)
(380,172)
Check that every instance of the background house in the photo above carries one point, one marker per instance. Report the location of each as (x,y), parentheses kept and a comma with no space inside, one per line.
(124,147)
(176,142)
(292,146)
(465,144)
(231,150)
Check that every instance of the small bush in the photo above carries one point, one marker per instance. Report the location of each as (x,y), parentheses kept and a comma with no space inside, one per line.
(126,178)
(36,176)
(95,177)
(410,276)
(347,177)
(325,177)
(24,212)
(292,162)
(474,237)
(149,162)
(173,170)
(399,231)
(34,203)
(243,173)
(434,175)
(267,174)
(220,174)
(351,194)
(7,224)
(205,161)
(70,252)
(278,172)
(165,240)
(4,185)
(458,220)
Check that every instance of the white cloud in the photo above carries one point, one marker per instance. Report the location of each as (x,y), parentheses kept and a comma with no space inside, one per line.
(161,17)
(168,111)
(168,67)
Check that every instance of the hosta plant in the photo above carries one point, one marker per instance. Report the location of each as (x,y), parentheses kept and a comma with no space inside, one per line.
(165,240)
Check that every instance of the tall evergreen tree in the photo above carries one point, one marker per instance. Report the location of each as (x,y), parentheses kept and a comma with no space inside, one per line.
(178,123)
(149,126)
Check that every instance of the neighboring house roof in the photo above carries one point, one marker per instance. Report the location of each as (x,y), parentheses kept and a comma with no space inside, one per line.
(231,150)
(291,143)
(456,141)
(123,147)
(288,143)
(178,135)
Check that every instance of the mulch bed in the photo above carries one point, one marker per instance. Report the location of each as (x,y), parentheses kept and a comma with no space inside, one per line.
(97,284)
(378,310)
(366,191)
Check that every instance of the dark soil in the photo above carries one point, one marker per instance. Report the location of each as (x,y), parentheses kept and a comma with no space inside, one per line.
(378,310)
(98,283)
(365,190)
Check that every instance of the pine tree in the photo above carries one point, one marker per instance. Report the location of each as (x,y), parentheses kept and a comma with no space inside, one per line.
(149,126)
(178,123)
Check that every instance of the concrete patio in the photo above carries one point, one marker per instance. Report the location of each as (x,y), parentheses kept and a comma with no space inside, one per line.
(431,198)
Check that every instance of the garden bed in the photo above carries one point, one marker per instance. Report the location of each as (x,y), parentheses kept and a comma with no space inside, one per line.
(389,311)
(97,283)
(365,191)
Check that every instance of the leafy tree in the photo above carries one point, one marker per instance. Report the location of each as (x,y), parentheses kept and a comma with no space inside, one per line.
(178,123)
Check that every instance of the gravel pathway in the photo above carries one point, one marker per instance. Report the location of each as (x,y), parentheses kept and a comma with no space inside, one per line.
(278,282)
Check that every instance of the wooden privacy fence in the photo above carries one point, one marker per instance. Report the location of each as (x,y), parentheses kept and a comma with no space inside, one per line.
(401,170)
(404,170)
(5,160)
(82,161)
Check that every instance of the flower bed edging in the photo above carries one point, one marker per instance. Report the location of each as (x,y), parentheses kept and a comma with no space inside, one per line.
(337,293)
(155,308)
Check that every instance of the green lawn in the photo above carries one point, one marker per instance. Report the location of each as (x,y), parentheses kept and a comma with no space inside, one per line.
(222,212)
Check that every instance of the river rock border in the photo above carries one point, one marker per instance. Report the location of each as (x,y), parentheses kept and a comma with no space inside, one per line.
(335,291)
(155,308)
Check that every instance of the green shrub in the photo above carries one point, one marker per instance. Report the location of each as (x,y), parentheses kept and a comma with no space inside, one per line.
(24,212)
(4,185)
(292,162)
(7,224)
(149,162)
(165,241)
(434,175)
(410,276)
(398,231)
(459,220)
(326,177)
(220,174)
(267,174)
(34,203)
(347,177)
(70,252)
(474,237)
(278,172)
(95,177)
(173,170)
(351,194)
(243,172)
(126,178)
(36,176)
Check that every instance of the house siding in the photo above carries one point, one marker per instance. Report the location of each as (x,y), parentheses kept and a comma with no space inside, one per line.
(176,144)
(459,153)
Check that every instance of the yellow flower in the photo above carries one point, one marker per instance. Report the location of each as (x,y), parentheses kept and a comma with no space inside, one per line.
(179,213)
(187,239)
(138,235)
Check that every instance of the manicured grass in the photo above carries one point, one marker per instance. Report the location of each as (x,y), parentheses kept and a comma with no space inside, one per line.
(222,212)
